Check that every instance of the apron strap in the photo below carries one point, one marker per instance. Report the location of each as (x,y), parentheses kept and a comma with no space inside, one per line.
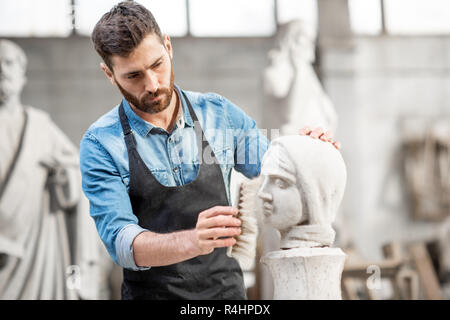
(12,166)
(198,129)
(130,141)
(191,111)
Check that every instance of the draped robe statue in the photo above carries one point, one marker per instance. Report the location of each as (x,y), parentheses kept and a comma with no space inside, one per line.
(49,248)
(291,80)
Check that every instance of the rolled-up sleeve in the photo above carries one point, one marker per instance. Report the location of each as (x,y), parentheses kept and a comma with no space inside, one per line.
(109,203)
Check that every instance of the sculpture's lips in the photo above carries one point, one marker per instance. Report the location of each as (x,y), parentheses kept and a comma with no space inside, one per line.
(268,208)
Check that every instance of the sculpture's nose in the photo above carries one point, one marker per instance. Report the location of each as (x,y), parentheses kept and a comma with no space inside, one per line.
(265,196)
(263,193)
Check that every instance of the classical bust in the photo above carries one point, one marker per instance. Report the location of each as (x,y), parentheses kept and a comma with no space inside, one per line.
(303,182)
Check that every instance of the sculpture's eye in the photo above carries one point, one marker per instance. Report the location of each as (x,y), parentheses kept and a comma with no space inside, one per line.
(281,183)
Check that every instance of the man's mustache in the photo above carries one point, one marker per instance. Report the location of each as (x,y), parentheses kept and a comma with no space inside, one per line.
(155,94)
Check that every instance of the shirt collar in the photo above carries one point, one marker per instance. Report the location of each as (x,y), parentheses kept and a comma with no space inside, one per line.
(144,128)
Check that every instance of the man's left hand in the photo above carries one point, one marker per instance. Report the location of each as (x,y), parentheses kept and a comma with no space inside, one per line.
(320,133)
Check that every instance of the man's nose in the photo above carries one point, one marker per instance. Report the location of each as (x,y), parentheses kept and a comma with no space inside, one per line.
(151,82)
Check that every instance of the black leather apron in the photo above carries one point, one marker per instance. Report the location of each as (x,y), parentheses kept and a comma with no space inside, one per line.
(164,209)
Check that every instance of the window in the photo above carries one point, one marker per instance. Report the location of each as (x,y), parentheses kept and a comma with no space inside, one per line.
(170,14)
(365,16)
(232,18)
(43,18)
(223,18)
(305,10)
(417,16)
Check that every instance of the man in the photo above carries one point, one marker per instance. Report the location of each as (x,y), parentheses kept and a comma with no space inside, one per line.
(48,245)
(156,168)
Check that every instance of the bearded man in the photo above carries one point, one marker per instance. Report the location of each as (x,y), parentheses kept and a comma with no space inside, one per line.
(156,168)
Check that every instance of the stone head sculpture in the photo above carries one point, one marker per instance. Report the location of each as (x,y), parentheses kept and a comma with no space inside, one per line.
(303,182)
(294,46)
(13,62)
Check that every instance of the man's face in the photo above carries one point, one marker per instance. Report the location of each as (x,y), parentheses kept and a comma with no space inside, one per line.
(145,77)
(12,73)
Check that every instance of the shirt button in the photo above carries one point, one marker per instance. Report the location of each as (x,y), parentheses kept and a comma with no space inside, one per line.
(175,169)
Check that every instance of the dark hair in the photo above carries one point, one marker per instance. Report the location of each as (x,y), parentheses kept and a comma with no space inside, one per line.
(122,29)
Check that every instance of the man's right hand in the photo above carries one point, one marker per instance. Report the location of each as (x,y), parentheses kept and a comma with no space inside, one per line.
(216,228)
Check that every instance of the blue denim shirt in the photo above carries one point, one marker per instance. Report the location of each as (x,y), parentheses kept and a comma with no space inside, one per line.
(171,157)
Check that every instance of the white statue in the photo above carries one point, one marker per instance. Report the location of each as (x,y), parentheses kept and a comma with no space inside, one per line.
(49,248)
(290,78)
(304,182)
(303,185)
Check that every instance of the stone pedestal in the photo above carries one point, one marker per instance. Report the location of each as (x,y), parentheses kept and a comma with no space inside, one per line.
(306,273)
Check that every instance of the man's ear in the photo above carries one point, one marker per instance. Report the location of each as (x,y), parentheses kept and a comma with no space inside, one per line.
(108,73)
(168,45)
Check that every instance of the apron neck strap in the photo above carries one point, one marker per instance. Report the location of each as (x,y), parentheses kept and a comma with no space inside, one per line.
(128,133)
(191,111)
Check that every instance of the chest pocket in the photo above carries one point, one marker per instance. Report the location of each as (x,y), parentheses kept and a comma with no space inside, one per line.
(225,157)
(159,173)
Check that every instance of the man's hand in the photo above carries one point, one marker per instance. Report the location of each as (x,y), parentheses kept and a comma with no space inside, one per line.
(320,133)
(216,228)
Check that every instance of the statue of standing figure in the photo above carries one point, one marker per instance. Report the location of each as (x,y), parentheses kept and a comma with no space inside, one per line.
(49,248)
(303,185)
(290,78)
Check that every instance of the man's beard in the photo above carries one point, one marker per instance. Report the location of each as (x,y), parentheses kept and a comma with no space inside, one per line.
(145,104)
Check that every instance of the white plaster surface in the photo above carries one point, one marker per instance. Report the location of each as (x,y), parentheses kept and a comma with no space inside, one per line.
(306,273)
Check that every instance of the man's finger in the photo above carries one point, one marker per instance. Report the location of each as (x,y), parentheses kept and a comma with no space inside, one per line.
(219,221)
(327,136)
(215,233)
(323,138)
(317,132)
(218,210)
(337,145)
(219,243)
(305,131)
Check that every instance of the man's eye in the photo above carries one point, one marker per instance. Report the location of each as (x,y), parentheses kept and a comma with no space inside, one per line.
(132,76)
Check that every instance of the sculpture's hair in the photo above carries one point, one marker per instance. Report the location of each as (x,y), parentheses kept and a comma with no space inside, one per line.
(122,29)
(295,29)
(21,56)
(279,156)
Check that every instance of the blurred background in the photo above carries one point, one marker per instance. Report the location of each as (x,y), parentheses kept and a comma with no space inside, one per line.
(383,64)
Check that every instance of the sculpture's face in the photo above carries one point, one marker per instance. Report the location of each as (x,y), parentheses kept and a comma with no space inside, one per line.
(12,73)
(278,76)
(282,206)
(295,46)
